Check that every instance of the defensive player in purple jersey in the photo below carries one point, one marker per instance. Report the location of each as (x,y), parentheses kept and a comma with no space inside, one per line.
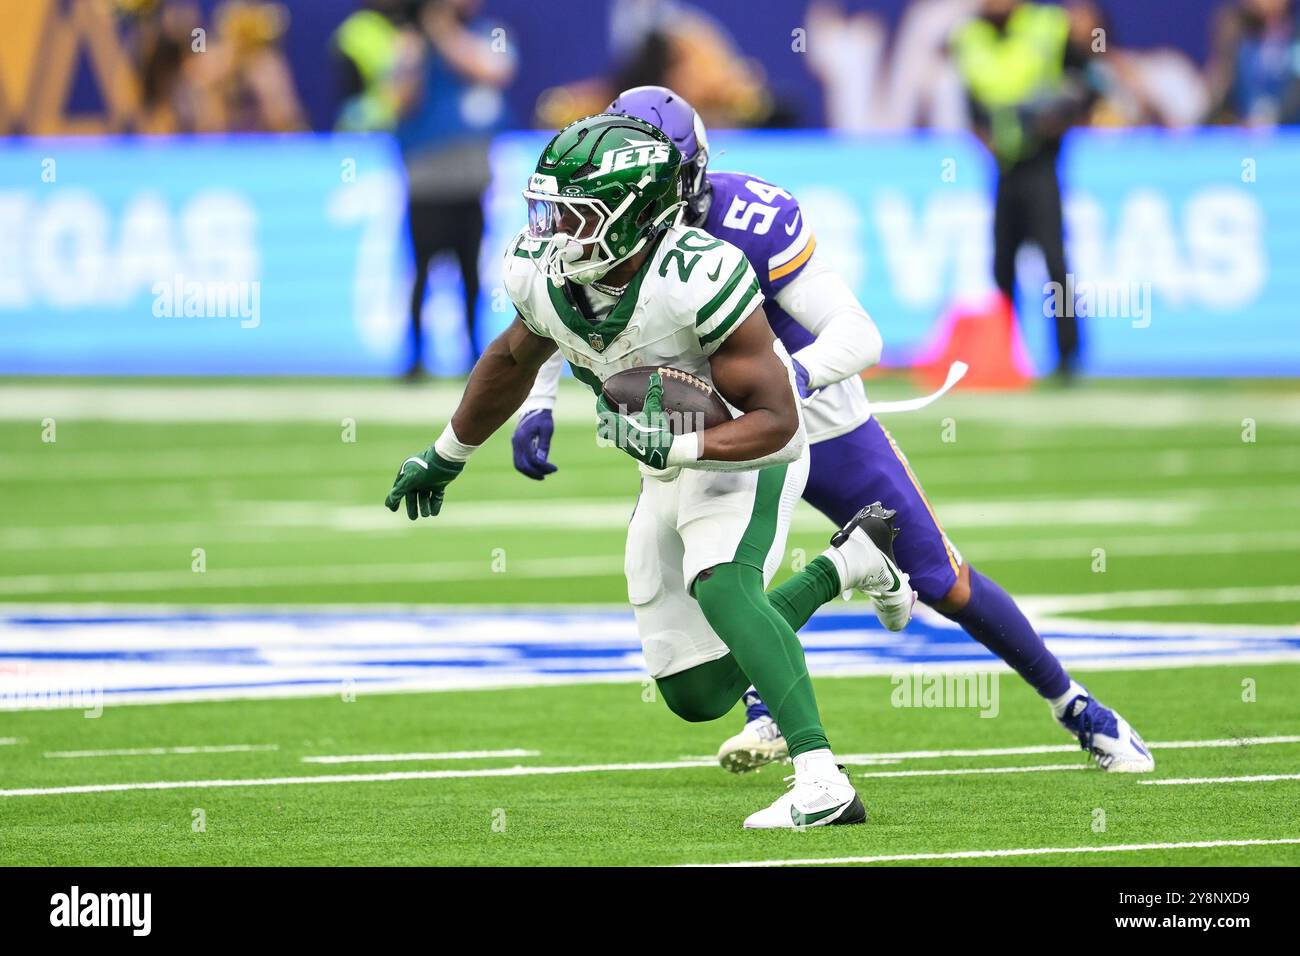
(853,459)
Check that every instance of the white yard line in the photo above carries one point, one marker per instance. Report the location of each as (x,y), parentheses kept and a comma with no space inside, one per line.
(1039,605)
(8,741)
(332,520)
(162,611)
(858,760)
(381,402)
(996,471)
(1076,603)
(314,612)
(462,684)
(165,751)
(1062,748)
(520,771)
(150,534)
(1126,513)
(1254,778)
(994,854)
(967,771)
(154,536)
(244,578)
(445,755)
(213,461)
(1083,627)
(393,776)
(200,402)
(1120,545)
(1006,467)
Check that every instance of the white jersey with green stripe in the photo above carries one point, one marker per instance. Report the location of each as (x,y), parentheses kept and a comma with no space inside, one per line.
(690,295)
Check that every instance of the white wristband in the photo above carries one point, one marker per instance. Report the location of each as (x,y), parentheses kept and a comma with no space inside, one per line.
(685,449)
(451,447)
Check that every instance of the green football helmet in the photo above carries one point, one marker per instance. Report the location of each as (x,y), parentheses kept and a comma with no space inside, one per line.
(604,188)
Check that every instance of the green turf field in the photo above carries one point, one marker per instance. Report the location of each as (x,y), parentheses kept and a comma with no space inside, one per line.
(690,814)
(1152,501)
(1155,473)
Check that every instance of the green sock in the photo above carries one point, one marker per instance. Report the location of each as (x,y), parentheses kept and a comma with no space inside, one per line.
(766,649)
(799,598)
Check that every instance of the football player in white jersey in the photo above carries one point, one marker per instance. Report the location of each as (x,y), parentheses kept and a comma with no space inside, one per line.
(605,274)
(831,340)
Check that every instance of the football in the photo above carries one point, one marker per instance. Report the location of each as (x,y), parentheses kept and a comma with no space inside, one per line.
(690,402)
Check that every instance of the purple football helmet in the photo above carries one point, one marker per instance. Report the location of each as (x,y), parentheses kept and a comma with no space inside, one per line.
(661,107)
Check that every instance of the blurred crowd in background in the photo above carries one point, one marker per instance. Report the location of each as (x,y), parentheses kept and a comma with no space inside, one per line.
(443,77)
(395,134)
(158,66)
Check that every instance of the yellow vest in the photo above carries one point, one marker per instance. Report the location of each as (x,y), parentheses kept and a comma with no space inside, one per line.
(369,40)
(1003,69)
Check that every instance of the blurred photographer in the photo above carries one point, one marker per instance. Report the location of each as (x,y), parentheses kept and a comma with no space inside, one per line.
(451,68)
(1254,69)
(244,80)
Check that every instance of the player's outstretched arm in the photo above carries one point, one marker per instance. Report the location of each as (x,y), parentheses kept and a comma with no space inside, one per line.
(747,373)
(848,342)
(497,387)
(500,382)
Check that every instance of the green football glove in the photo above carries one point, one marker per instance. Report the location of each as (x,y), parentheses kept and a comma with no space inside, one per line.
(646,436)
(421,481)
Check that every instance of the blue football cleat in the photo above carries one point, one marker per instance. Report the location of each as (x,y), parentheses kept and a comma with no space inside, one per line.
(1106,735)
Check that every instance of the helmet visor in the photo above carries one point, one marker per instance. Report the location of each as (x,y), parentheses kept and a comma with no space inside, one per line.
(577,217)
(573,230)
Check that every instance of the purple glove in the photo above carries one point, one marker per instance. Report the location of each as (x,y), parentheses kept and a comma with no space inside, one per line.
(801,381)
(532,443)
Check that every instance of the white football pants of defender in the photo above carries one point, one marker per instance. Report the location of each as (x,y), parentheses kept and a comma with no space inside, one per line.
(692,522)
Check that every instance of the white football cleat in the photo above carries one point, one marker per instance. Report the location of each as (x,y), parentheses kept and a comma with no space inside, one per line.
(820,795)
(866,546)
(1106,735)
(758,744)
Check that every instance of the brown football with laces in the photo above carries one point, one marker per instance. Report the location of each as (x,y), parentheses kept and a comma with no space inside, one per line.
(690,403)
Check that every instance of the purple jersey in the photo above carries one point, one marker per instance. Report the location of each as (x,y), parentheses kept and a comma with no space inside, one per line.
(766,224)
(857,462)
